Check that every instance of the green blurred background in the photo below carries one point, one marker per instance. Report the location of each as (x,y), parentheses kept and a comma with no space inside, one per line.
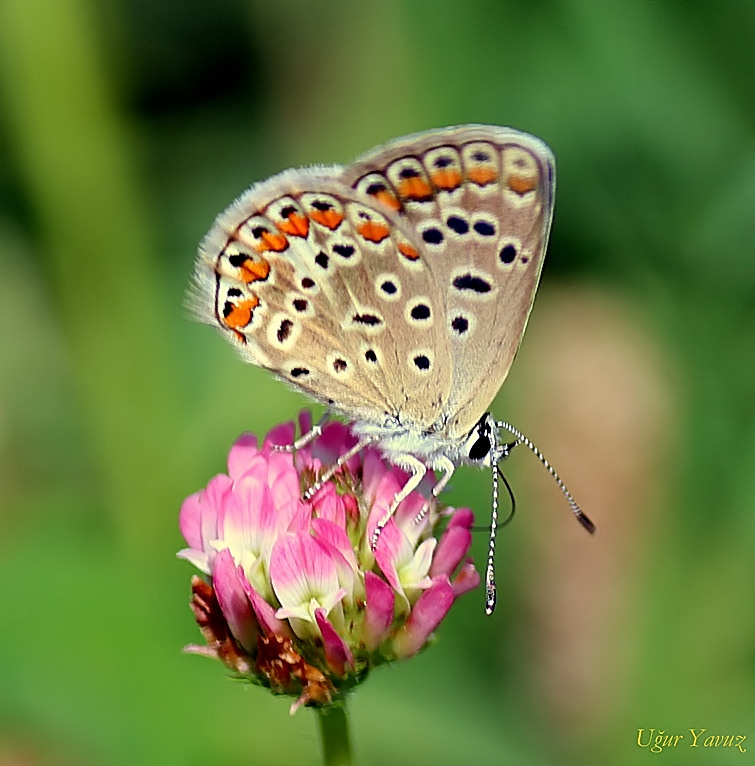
(127,125)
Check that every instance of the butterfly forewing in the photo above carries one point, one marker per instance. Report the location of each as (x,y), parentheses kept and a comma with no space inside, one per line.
(480,199)
(331,291)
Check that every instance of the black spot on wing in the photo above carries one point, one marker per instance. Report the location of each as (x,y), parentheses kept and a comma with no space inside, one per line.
(472,283)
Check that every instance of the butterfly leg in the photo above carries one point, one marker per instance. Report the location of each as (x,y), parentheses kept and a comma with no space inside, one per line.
(417,471)
(306,438)
(328,475)
(448,468)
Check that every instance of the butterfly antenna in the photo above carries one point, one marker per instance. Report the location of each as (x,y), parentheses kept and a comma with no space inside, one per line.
(522,439)
(490,589)
(490,568)
(510,517)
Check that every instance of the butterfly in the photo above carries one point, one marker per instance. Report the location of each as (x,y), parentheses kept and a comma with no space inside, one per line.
(395,290)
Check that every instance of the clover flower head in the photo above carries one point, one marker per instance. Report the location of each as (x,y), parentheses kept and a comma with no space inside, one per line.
(293,597)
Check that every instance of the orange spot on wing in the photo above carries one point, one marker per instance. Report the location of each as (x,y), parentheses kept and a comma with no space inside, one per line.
(253,271)
(271,241)
(295,225)
(328,218)
(389,200)
(415,188)
(373,231)
(521,185)
(482,175)
(447,179)
(408,251)
(236,315)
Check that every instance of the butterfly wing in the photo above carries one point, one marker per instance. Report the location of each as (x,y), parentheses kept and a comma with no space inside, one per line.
(330,291)
(480,199)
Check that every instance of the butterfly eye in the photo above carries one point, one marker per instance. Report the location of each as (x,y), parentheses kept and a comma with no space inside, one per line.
(480,449)
(480,442)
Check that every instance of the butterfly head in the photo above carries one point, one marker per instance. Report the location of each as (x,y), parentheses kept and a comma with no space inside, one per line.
(482,446)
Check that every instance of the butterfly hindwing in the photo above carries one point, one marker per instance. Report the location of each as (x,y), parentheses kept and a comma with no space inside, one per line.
(481,201)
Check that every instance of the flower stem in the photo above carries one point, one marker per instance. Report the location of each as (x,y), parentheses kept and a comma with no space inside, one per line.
(334,733)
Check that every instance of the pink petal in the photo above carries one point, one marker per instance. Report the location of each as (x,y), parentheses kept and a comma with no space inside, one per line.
(378,615)
(299,567)
(430,609)
(337,652)
(452,548)
(190,521)
(250,517)
(339,548)
(241,454)
(354,463)
(265,613)
(304,460)
(200,513)
(305,422)
(282,435)
(283,478)
(467,579)
(328,505)
(295,517)
(255,467)
(336,539)
(390,544)
(233,600)
(373,469)
(380,504)
(199,559)
(384,492)
(391,482)
(406,515)
(333,442)
(409,508)
(217,496)
(462,517)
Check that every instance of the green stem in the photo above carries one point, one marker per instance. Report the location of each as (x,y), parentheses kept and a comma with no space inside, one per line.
(334,732)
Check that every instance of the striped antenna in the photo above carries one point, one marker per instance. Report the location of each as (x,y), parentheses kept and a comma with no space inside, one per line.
(490,568)
(576,510)
(501,452)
